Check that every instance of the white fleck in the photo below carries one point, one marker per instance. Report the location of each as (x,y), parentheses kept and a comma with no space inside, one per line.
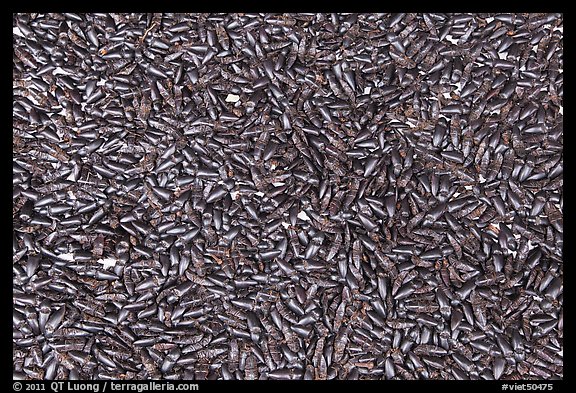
(67,257)
(260,194)
(71,178)
(85,182)
(412,123)
(561,352)
(101,82)
(482,180)
(59,70)
(232,98)
(514,253)
(456,194)
(458,87)
(107,262)
(272,166)
(71,195)
(234,195)
(502,55)
(561,110)
(303,216)
(278,184)
(468,187)
(285,225)
(489,19)
(517,236)
(16,30)
(447,95)
(367,89)
(451,39)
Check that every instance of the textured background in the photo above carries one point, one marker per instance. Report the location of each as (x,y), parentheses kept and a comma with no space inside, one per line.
(255,196)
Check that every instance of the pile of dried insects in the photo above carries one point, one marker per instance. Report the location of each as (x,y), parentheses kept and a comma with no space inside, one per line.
(295,196)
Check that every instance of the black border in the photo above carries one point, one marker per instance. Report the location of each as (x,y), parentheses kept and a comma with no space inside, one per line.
(291,6)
